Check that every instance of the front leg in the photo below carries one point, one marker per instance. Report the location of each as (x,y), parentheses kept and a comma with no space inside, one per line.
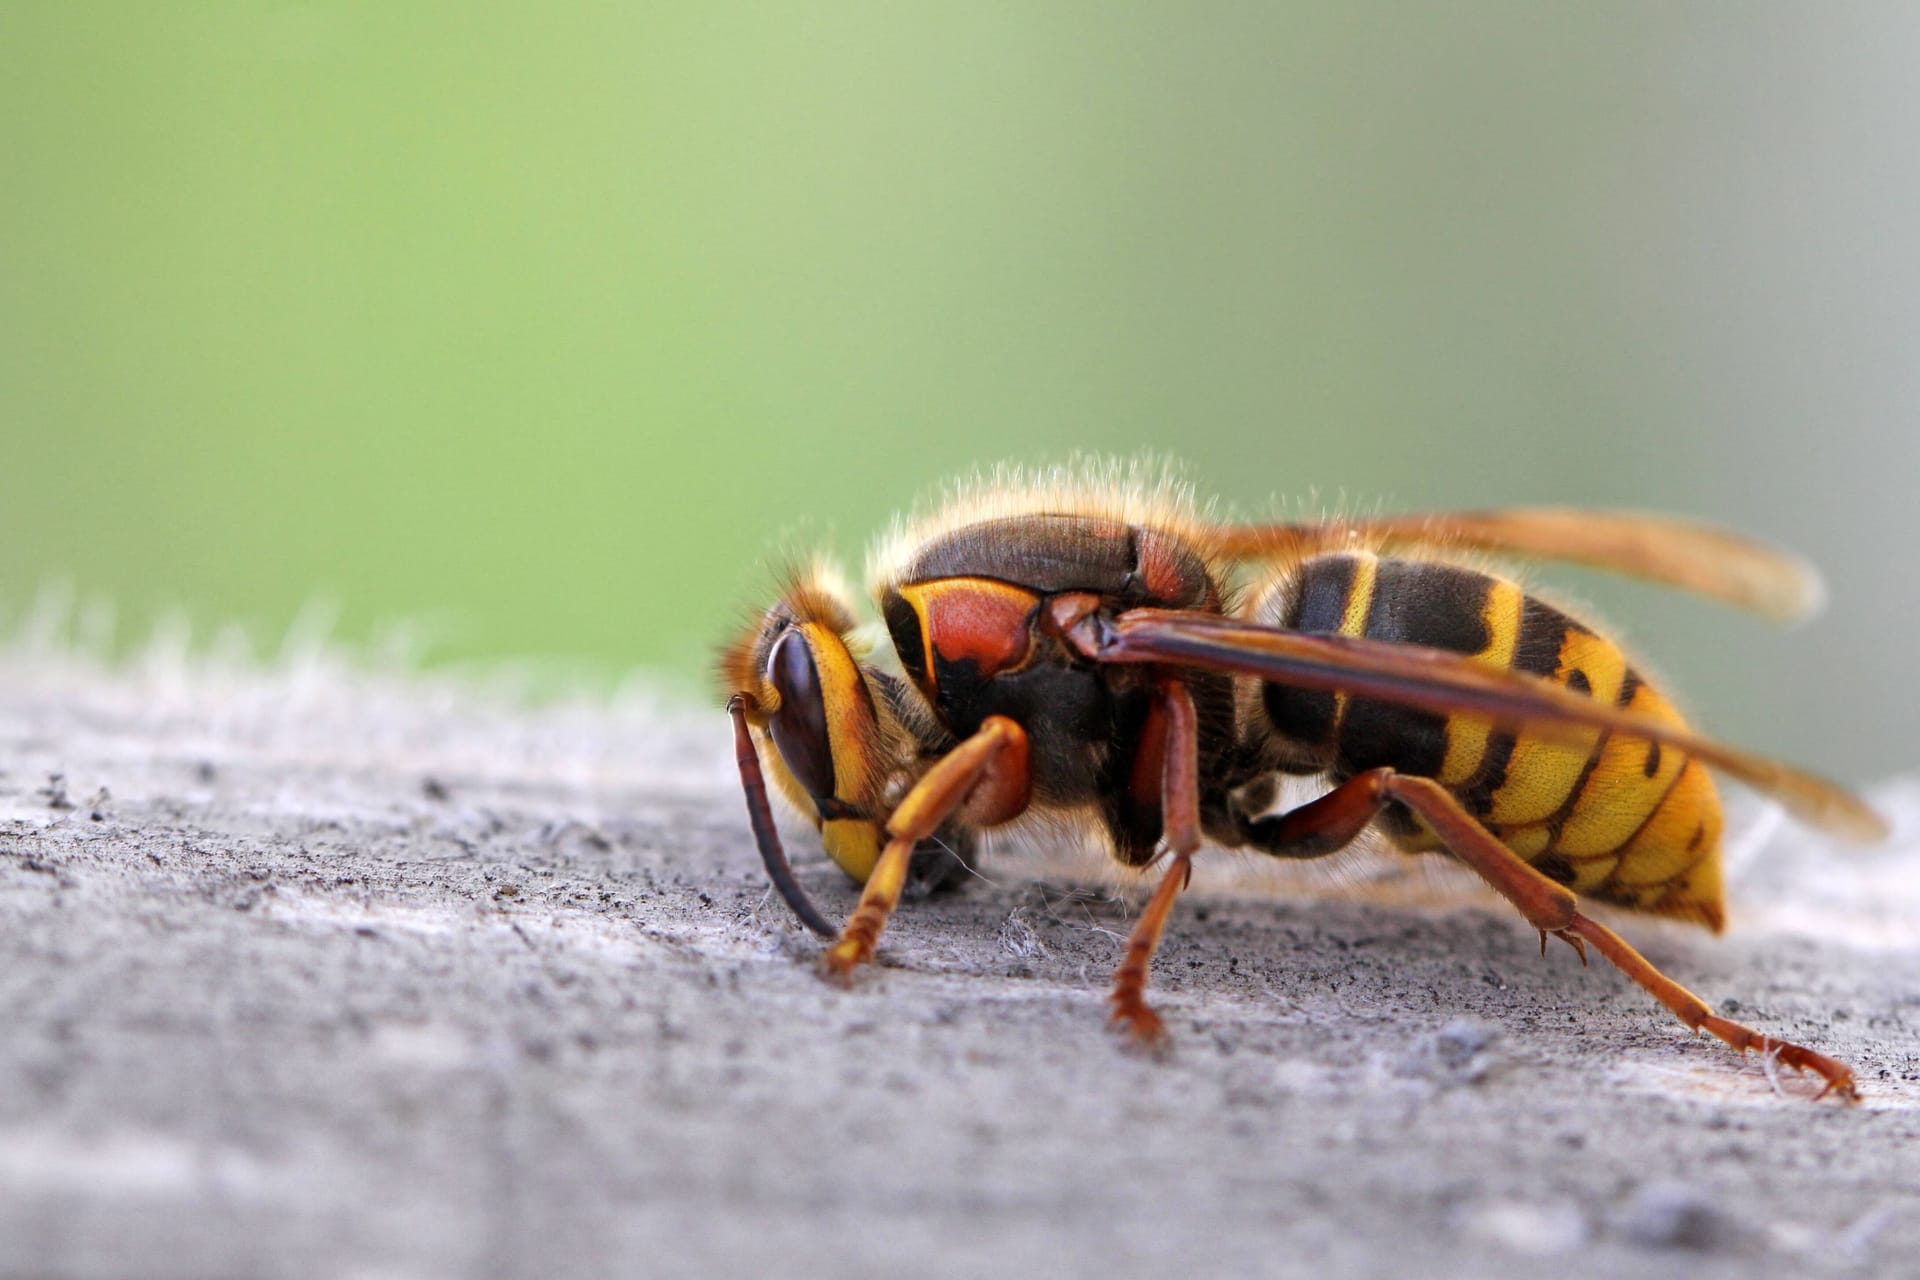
(985,778)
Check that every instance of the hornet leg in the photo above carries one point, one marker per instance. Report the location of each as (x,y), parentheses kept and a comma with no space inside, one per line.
(1180,821)
(1340,815)
(985,777)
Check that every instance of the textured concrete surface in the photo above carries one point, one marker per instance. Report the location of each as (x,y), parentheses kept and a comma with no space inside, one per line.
(315,973)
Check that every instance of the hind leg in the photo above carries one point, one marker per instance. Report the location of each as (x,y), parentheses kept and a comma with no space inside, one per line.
(1337,817)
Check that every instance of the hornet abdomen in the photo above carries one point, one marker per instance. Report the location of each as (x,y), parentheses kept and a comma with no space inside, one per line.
(1614,817)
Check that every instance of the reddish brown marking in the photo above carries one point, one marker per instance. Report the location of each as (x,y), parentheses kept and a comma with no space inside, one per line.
(1146,778)
(1170,572)
(1130,1008)
(1066,612)
(979,621)
(1329,823)
(1180,781)
(1004,787)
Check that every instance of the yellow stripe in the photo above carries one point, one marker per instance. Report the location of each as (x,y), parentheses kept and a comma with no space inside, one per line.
(1467,735)
(1528,842)
(1353,621)
(1542,775)
(1665,848)
(1671,866)
(1366,569)
(850,727)
(1620,795)
(1605,666)
(854,844)
(1590,875)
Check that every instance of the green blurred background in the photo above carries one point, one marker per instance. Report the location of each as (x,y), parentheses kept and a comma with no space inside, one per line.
(548,325)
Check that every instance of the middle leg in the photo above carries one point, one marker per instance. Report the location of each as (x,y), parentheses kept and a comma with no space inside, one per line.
(1180,823)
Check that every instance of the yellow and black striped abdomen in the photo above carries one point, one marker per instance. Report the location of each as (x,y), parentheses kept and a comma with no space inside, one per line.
(1616,818)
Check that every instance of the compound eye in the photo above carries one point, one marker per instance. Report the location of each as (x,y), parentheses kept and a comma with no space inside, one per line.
(799,727)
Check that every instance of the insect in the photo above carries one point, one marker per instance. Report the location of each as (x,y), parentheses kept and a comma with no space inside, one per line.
(1087,646)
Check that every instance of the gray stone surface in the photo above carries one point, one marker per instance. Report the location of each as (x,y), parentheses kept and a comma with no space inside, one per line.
(310,972)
